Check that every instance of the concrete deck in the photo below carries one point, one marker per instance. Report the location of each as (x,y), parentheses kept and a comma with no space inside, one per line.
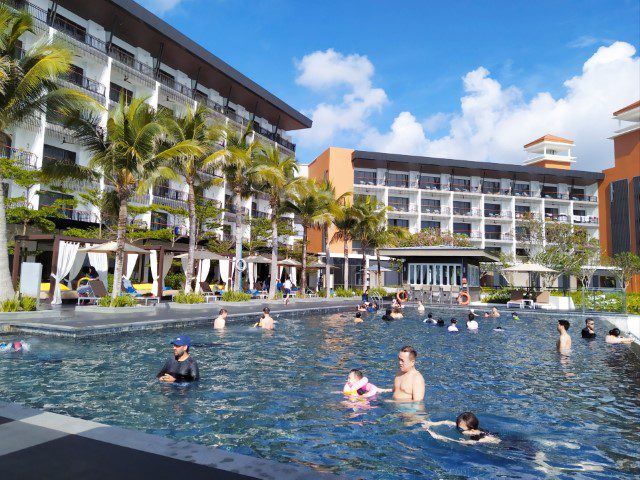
(79,323)
(37,445)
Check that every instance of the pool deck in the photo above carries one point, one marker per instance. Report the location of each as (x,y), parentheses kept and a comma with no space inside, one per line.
(36,445)
(83,322)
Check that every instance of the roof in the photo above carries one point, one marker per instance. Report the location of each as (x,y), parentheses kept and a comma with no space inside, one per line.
(395,161)
(439,251)
(627,108)
(139,27)
(549,138)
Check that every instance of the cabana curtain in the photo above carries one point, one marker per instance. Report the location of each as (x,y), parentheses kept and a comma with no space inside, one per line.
(66,257)
(203,272)
(132,258)
(100,263)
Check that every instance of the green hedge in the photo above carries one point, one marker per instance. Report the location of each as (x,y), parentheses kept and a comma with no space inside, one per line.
(118,302)
(341,292)
(19,304)
(232,296)
(190,298)
(605,301)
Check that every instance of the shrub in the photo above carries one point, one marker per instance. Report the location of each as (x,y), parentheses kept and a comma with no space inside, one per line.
(633,303)
(121,301)
(188,298)
(231,296)
(19,304)
(10,305)
(175,281)
(341,292)
(28,304)
(493,295)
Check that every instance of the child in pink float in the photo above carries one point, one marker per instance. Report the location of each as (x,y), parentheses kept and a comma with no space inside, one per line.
(358,385)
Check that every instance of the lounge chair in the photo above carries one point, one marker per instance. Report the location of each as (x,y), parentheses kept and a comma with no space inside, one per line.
(543,301)
(98,292)
(208,293)
(311,294)
(139,297)
(517,300)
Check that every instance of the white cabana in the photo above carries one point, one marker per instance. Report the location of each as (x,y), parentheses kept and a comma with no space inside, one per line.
(111,247)
(66,257)
(203,257)
(158,277)
(529,268)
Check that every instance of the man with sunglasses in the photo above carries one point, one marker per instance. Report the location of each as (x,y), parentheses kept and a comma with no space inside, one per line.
(181,367)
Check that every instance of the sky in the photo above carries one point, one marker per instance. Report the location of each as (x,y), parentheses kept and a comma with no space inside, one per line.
(472,80)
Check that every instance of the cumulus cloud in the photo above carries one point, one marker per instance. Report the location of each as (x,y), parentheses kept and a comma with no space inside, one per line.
(325,71)
(494,121)
(160,7)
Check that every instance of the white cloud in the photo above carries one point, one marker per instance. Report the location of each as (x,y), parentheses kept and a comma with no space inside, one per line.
(330,70)
(159,7)
(495,121)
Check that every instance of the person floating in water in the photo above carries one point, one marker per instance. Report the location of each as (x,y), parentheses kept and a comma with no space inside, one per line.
(468,425)
(373,307)
(396,314)
(362,308)
(515,316)
(471,322)
(493,313)
(454,326)
(15,346)
(182,367)
(564,341)
(589,330)
(429,318)
(408,385)
(358,318)
(421,308)
(266,321)
(440,322)
(358,384)
(220,322)
(614,337)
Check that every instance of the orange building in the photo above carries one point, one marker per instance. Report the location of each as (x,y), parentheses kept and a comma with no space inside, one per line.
(620,190)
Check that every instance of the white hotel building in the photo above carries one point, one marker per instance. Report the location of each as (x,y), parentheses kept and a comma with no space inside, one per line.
(123,49)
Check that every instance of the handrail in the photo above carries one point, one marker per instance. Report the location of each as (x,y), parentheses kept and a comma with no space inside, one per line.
(87,83)
(23,158)
(170,193)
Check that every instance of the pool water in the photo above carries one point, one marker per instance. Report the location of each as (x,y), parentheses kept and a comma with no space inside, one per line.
(273,395)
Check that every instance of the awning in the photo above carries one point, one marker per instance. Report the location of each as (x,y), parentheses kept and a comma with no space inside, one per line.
(529,267)
(203,255)
(111,247)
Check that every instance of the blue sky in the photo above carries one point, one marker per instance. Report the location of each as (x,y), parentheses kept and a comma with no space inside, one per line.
(463,72)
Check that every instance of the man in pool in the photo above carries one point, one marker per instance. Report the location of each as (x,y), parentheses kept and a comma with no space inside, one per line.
(358,318)
(181,367)
(589,330)
(564,341)
(220,322)
(408,385)
(266,321)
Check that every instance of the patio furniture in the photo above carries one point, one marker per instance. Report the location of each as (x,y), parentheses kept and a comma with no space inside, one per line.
(455,292)
(543,301)
(311,294)
(98,290)
(517,300)
(436,292)
(208,293)
(139,297)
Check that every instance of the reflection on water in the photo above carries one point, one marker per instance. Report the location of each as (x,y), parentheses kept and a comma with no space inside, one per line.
(274,394)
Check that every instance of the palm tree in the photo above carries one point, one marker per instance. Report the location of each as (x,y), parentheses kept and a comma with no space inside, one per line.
(132,154)
(383,236)
(372,214)
(277,178)
(237,160)
(28,87)
(196,169)
(346,221)
(309,204)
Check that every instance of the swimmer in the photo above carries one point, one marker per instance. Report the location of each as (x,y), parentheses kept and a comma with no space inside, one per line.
(421,308)
(387,315)
(266,322)
(493,313)
(468,425)
(358,318)
(361,308)
(515,316)
(440,322)
(471,322)
(614,337)
(181,367)
(453,327)
(564,341)
(408,385)
(429,318)
(589,330)
(396,304)
(498,329)
(220,322)
(15,346)
(373,307)
(358,385)
(396,314)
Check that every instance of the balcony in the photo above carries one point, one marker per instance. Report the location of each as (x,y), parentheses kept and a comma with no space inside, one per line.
(91,86)
(581,197)
(498,214)
(230,211)
(70,213)
(556,217)
(496,191)
(259,214)
(401,208)
(360,179)
(396,183)
(498,236)
(169,81)
(466,212)
(435,210)
(585,220)
(177,229)
(555,195)
(473,235)
(21,158)
(527,216)
(169,197)
(464,188)
(79,36)
(432,186)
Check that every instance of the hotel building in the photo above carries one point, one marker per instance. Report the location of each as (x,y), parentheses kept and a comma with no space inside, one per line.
(122,49)
(620,190)
(484,201)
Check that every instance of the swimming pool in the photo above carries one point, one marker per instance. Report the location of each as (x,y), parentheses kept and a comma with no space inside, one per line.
(270,394)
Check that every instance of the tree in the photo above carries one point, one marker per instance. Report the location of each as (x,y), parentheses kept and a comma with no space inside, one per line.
(373,215)
(196,169)
(346,221)
(626,265)
(237,160)
(28,86)
(131,155)
(20,212)
(432,237)
(276,176)
(384,236)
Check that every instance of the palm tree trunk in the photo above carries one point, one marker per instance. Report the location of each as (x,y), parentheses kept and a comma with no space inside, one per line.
(327,255)
(345,275)
(363,268)
(6,285)
(120,240)
(191,260)
(378,260)
(238,275)
(303,282)
(274,252)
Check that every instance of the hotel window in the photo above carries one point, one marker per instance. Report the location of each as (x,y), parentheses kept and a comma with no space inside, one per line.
(430,224)
(362,177)
(522,211)
(550,191)
(116,90)
(399,222)
(462,228)
(397,180)
(577,194)
(65,25)
(492,209)
(159,220)
(53,154)
(551,213)
(522,190)
(434,274)
(428,182)
(461,208)
(492,232)
(400,204)
(460,184)
(490,186)
(430,205)
(122,55)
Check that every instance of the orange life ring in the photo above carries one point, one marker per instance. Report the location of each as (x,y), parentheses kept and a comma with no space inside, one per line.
(466,297)
(402,296)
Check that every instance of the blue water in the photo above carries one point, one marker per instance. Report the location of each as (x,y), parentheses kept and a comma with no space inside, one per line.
(271,394)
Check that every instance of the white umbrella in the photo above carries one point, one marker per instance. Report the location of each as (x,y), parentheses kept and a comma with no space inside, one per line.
(319,264)
(289,262)
(203,255)
(529,267)
(256,259)
(111,247)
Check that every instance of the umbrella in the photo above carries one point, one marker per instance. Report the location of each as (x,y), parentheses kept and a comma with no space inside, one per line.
(256,259)
(203,255)
(110,247)
(529,267)
(289,262)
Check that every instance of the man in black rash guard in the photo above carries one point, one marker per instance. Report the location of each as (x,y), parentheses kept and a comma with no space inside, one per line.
(589,331)
(182,367)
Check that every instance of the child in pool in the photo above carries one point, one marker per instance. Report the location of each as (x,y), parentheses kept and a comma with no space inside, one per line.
(468,425)
(358,385)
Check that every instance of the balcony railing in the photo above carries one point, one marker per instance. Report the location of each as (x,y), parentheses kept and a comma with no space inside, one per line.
(527,216)
(506,236)
(466,212)
(86,83)
(555,217)
(497,213)
(258,214)
(170,193)
(172,83)
(474,235)
(21,158)
(77,215)
(431,186)
(581,197)
(496,190)
(131,62)
(464,187)
(231,210)
(177,229)
(402,208)
(363,180)
(435,210)
(555,195)
(585,219)
(396,183)
(79,34)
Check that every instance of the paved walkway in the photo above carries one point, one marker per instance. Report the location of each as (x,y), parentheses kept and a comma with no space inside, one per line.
(36,445)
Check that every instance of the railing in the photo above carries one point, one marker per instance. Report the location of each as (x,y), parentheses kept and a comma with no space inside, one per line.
(463,187)
(401,208)
(258,214)
(436,210)
(77,215)
(431,186)
(170,193)
(231,210)
(21,158)
(555,217)
(496,190)
(131,62)
(79,34)
(471,234)
(555,195)
(585,219)
(526,193)
(466,212)
(497,213)
(527,216)
(177,229)
(581,197)
(88,84)
(362,180)
(172,83)
(264,132)
(498,236)
(397,183)
(36,12)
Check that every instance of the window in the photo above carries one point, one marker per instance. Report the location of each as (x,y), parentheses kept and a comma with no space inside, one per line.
(492,209)
(522,211)
(462,228)
(522,233)
(363,177)
(200,97)
(492,232)
(399,203)
(580,212)
(522,190)
(429,182)
(577,194)
(166,78)
(430,224)
(461,208)
(159,220)
(551,213)
(116,90)
(550,191)
(72,29)
(47,199)
(397,180)
(399,222)
(122,55)
(490,186)
(430,205)
(434,274)
(460,184)
(55,154)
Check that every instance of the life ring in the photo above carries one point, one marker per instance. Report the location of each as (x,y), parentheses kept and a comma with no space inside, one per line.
(82,279)
(465,296)
(402,296)
(241,264)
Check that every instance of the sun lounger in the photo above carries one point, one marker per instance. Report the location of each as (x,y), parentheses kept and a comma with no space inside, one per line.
(139,297)
(208,293)
(543,301)
(98,290)
(517,300)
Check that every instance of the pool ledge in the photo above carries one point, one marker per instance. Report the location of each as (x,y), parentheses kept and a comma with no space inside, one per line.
(36,444)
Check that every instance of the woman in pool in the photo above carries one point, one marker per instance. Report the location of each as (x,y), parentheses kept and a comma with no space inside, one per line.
(493,313)
(468,425)
(421,308)
(358,385)
(614,337)
(362,308)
